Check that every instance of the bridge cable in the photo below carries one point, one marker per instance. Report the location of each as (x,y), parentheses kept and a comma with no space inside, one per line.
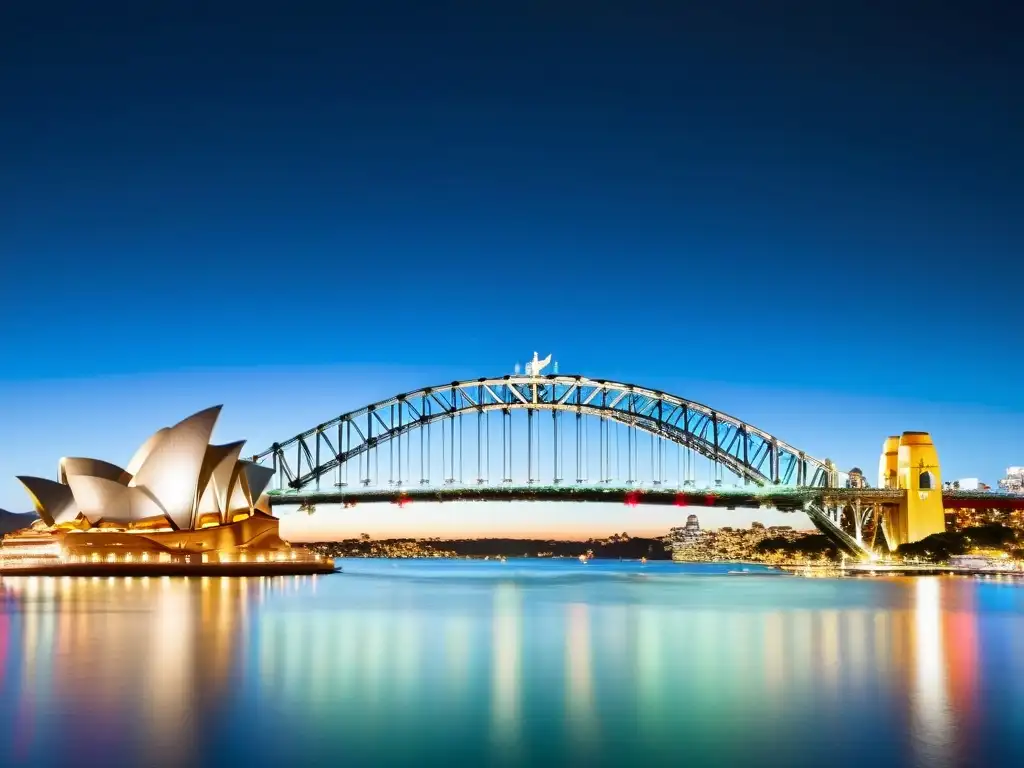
(529,444)
(479,445)
(451,445)
(586,450)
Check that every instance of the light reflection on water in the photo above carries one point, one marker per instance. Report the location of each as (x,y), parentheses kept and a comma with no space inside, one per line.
(523,663)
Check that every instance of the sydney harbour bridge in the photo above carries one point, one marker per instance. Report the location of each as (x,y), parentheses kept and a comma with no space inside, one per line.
(552,437)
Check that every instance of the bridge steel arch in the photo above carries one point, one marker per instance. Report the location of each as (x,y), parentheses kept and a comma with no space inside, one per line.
(748,452)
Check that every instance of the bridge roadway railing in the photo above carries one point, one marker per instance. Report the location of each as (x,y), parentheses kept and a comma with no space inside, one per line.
(785,499)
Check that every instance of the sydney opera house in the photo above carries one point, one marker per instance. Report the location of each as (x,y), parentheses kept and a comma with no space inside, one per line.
(179,504)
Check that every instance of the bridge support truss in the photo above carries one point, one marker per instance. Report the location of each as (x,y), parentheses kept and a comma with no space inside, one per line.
(464,433)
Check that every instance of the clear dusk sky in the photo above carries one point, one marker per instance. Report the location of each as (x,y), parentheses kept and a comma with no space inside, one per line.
(810,215)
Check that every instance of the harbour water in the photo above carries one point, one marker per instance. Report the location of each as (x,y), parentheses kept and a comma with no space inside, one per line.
(518,663)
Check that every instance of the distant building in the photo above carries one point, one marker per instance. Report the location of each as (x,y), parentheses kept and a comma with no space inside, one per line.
(855,479)
(983,561)
(692,530)
(690,544)
(687,536)
(1014,480)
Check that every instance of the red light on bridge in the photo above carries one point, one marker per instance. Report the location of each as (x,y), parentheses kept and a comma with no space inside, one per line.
(632,499)
(681,500)
(709,500)
(403,501)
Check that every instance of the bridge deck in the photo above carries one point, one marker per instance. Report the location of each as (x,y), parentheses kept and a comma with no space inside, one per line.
(787,499)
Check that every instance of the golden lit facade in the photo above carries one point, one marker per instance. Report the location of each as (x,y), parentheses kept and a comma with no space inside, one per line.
(31,545)
(910,463)
(180,501)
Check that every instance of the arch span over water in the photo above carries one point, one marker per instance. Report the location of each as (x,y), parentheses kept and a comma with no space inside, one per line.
(750,453)
(753,455)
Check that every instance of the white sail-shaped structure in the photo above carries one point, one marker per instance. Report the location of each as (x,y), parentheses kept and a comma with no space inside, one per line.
(53,502)
(176,479)
(70,467)
(143,453)
(257,479)
(170,472)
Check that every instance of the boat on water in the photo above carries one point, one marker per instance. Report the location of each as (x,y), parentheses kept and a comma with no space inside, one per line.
(583,559)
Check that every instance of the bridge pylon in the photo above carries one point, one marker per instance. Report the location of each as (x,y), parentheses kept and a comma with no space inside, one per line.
(909,462)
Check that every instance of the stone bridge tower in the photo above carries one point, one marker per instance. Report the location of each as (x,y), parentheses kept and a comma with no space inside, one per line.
(910,463)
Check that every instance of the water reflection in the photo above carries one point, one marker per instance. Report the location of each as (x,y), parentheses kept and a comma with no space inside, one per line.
(505,668)
(579,681)
(128,663)
(932,727)
(382,669)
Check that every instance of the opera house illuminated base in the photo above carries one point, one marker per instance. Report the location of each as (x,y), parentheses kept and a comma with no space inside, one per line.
(182,505)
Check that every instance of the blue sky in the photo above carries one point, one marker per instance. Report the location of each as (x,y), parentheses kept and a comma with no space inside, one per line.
(810,218)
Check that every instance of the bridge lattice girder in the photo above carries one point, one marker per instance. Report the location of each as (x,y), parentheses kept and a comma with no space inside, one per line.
(748,452)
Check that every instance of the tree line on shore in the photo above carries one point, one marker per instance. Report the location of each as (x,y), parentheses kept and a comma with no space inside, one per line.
(937,548)
(940,547)
(809,546)
(613,548)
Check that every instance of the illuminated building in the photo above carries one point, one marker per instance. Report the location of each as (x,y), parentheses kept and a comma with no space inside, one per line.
(32,544)
(685,540)
(983,560)
(180,501)
(691,544)
(1014,480)
(691,531)
(855,479)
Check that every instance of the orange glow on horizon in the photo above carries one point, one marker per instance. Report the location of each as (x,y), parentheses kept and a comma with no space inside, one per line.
(516,520)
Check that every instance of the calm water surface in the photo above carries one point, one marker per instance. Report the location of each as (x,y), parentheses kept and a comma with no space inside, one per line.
(542,662)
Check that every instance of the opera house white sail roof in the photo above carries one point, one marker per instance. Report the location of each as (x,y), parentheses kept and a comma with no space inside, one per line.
(176,480)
